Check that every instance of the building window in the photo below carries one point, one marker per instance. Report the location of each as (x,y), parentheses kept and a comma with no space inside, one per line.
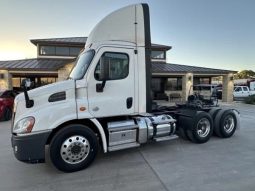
(155,84)
(201,80)
(158,54)
(117,64)
(47,50)
(74,51)
(59,51)
(174,84)
(16,82)
(62,51)
(44,81)
(38,81)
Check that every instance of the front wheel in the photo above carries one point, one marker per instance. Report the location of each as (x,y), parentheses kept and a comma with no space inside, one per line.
(73,148)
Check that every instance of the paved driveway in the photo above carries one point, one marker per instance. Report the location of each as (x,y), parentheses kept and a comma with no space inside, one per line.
(220,164)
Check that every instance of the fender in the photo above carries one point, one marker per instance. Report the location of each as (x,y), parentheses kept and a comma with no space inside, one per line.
(238,122)
(102,133)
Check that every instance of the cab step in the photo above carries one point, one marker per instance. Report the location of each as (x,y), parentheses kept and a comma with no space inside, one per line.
(167,138)
(123,146)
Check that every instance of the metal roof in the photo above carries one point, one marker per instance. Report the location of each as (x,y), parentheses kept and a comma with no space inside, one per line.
(159,67)
(36,64)
(50,64)
(160,46)
(67,41)
(81,41)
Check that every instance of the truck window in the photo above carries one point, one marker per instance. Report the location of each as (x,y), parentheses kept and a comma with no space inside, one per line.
(81,65)
(118,66)
(245,89)
(238,89)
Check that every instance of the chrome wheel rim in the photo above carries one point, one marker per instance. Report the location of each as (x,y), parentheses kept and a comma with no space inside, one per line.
(229,124)
(75,149)
(203,127)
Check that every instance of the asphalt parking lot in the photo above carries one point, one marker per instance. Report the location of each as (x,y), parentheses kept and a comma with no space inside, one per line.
(178,165)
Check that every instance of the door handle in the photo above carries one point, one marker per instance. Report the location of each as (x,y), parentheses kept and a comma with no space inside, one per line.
(129,102)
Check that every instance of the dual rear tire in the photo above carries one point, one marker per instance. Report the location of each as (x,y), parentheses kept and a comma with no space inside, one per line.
(195,126)
(225,123)
(200,127)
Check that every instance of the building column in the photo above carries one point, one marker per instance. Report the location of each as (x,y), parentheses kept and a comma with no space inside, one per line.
(227,88)
(187,82)
(5,80)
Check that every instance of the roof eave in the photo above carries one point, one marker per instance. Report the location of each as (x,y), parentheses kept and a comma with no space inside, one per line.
(36,42)
(166,48)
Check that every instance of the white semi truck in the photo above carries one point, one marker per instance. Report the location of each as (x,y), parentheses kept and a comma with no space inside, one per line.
(106,102)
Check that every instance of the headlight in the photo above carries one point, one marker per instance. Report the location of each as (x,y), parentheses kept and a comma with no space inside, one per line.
(24,125)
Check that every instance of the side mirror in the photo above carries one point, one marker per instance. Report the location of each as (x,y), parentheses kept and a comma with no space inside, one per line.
(104,74)
(104,69)
(26,83)
(100,86)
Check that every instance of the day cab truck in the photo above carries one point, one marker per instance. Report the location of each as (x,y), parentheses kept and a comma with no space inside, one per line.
(106,102)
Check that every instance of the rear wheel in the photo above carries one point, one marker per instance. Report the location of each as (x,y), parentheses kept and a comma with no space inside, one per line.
(201,129)
(213,112)
(73,148)
(225,123)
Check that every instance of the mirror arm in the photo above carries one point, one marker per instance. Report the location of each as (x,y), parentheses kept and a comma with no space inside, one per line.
(29,103)
(100,86)
(103,84)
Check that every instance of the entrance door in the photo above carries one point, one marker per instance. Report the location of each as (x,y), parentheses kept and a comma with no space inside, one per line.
(114,96)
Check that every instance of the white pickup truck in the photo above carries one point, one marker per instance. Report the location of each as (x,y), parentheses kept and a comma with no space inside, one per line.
(242,92)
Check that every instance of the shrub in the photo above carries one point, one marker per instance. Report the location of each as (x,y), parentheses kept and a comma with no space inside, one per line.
(250,100)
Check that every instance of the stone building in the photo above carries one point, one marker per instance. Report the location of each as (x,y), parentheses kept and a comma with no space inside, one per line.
(56,56)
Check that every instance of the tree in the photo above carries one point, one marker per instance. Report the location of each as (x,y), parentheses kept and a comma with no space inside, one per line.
(245,74)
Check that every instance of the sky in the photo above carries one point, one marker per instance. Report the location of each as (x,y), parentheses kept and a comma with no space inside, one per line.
(207,33)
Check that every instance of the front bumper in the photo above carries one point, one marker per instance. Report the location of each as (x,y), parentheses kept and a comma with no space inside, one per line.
(30,148)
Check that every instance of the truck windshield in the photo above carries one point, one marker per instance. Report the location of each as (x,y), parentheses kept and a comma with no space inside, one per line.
(81,65)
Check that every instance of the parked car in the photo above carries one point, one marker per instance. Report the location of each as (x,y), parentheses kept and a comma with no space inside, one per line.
(6,104)
(242,92)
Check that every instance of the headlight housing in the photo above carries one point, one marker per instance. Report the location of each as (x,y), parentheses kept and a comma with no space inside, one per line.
(24,125)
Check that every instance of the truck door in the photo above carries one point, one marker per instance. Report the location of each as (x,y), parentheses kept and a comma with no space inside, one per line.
(114,96)
(246,92)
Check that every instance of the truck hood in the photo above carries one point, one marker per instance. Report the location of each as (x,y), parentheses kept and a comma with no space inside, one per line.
(47,90)
(40,96)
